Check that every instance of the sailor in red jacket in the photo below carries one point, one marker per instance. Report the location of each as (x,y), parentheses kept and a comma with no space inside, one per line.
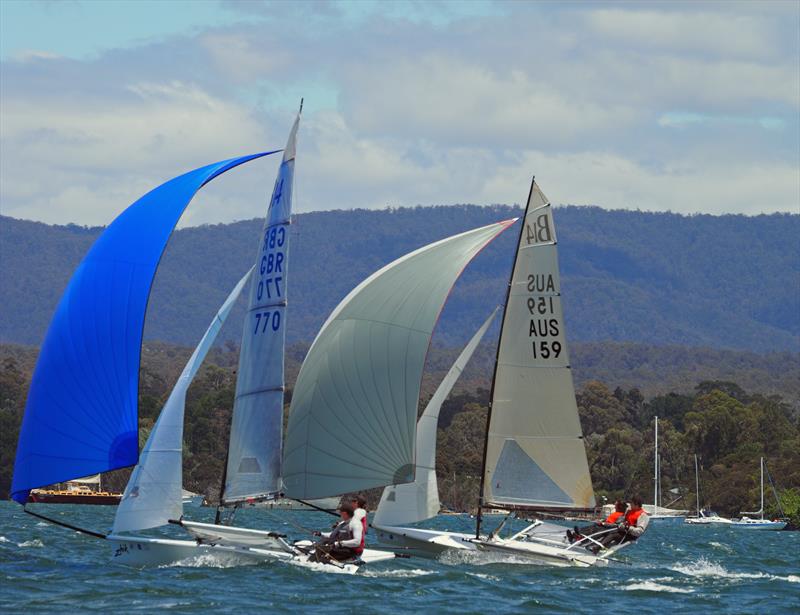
(633,525)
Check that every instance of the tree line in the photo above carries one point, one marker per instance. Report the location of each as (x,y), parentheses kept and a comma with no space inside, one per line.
(728,428)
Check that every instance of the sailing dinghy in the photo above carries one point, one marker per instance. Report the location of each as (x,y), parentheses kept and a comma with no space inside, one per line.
(534,456)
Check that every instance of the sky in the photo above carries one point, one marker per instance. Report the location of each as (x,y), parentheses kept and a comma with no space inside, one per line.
(683,107)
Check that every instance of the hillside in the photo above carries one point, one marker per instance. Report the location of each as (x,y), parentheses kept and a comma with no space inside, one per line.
(653,278)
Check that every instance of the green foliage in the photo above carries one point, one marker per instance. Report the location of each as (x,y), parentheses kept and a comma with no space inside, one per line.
(728,426)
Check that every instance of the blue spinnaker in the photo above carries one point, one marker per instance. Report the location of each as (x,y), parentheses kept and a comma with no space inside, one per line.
(81,415)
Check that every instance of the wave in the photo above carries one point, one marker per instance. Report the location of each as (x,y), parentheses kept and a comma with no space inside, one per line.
(4,539)
(31,543)
(397,573)
(704,568)
(211,560)
(651,586)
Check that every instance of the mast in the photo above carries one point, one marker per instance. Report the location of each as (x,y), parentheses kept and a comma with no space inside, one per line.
(762,488)
(697,485)
(253,458)
(479,516)
(655,471)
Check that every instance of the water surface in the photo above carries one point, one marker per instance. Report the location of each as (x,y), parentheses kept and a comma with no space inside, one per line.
(677,567)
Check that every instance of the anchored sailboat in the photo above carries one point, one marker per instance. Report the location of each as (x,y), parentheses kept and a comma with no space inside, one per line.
(658,512)
(703,516)
(745,522)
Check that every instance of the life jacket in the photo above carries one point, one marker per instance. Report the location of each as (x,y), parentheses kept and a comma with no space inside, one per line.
(614,516)
(632,516)
(343,532)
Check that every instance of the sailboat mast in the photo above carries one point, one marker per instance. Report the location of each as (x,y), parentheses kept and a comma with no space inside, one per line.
(762,488)
(655,472)
(697,485)
(479,516)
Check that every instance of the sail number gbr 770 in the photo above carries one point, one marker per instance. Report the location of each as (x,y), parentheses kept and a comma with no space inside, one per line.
(270,289)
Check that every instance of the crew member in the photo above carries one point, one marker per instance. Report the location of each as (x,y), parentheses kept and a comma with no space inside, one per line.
(345,542)
(359,503)
(613,519)
(633,525)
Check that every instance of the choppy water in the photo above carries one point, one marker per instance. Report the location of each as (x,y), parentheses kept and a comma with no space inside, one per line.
(676,567)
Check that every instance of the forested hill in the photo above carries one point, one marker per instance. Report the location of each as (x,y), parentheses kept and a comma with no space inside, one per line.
(657,278)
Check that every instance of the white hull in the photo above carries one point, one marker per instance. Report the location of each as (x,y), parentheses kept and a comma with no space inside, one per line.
(424,543)
(757,524)
(231,545)
(432,543)
(140,552)
(545,555)
(707,521)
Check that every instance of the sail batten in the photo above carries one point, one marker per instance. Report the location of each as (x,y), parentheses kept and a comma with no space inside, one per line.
(535,457)
(253,467)
(87,373)
(352,421)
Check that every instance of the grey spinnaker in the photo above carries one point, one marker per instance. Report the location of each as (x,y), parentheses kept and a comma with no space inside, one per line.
(352,422)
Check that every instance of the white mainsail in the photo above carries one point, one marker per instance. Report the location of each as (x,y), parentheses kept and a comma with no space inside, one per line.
(254,450)
(535,455)
(417,501)
(352,422)
(154,492)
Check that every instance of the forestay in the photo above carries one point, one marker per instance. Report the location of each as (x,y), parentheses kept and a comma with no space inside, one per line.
(535,456)
(81,415)
(352,421)
(254,453)
(154,492)
(419,500)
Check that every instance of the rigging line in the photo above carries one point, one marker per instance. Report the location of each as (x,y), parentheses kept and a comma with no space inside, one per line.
(69,526)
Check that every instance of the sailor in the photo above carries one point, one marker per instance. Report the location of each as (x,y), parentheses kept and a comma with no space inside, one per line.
(633,525)
(345,541)
(615,518)
(359,503)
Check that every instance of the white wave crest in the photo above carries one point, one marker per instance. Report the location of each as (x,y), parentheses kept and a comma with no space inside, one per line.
(31,543)
(651,586)
(4,539)
(704,568)
(211,560)
(398,573)
(722,547)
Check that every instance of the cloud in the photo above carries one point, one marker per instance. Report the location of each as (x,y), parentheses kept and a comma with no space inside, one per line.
(688,107)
